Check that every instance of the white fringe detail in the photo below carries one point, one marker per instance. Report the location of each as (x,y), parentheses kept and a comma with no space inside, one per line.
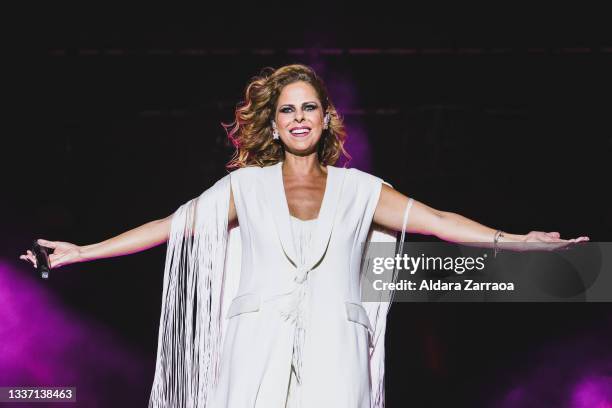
(191,326)
(377,312)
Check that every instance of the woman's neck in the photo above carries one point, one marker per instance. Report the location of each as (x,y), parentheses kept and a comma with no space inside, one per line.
(303,165)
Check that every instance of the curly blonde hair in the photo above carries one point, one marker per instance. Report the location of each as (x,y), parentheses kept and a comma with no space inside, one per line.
(251,133)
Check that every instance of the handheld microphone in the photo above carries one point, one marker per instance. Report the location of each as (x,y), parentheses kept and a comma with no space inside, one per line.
(42,259)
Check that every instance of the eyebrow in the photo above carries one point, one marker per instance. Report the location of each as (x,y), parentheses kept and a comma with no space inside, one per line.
(290,104)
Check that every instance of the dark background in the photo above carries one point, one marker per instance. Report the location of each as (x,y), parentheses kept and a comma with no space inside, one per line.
(505,122)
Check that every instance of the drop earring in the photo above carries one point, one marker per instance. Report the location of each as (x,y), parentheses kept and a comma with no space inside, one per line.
(275,135)
(326,121)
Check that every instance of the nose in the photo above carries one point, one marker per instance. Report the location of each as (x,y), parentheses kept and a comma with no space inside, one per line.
(299,116)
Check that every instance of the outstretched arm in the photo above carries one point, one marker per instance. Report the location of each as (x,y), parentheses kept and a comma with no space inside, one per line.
(451,227)
(135,240)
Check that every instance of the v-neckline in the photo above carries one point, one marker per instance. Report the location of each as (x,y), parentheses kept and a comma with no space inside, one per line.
(277,201)
(323,200)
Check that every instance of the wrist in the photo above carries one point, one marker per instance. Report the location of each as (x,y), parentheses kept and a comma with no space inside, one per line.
(86,252)
(512,242)
(512,238)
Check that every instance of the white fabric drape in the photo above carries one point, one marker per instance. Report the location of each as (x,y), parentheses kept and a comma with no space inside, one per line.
(191,323)
(377,309)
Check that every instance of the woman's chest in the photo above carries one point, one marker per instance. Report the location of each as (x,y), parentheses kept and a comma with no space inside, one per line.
(304,196)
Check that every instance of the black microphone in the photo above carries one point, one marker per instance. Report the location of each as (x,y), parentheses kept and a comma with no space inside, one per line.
(42,259)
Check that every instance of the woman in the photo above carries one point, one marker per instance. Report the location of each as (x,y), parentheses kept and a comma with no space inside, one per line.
(292,331)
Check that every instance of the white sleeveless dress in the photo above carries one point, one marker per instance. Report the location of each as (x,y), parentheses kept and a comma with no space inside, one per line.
(324,349)
(296,329)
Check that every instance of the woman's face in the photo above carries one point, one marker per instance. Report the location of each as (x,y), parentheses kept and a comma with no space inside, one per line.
(299,118)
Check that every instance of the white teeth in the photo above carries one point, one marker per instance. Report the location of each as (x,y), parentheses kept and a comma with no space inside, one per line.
(300,131)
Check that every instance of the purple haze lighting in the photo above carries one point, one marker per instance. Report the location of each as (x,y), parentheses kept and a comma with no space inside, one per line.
(574,373)
(514,398)
(344,95)
(593,392)
(43,343)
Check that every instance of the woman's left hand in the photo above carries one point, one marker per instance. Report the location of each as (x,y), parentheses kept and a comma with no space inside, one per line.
(550,241)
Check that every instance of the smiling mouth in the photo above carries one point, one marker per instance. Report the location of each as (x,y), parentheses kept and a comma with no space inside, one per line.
(300,132)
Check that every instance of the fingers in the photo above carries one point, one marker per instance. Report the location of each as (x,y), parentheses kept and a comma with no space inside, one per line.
(570,243)
(557,238)
(55,261)
(25,258)
(48,244)
(61,255)
(575,240)
(556,235)
(29,257)
(32,257)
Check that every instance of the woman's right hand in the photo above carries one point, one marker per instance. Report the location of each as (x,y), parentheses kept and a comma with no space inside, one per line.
(64,253)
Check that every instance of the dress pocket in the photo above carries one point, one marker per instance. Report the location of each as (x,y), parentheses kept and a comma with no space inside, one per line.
(249,302)
(355,312)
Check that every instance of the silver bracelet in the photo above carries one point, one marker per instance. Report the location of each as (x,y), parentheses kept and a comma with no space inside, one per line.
(498,234)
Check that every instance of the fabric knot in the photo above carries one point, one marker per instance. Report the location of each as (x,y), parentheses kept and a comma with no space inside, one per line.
(293,310)
(301,274)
